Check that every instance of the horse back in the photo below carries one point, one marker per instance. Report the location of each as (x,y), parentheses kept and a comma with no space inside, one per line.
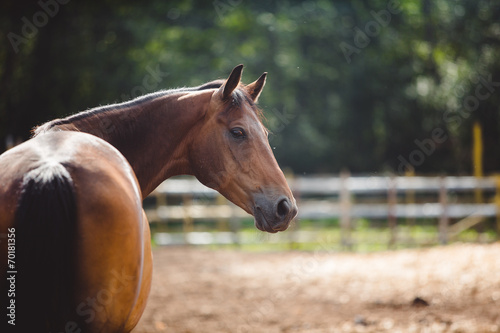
(95,213)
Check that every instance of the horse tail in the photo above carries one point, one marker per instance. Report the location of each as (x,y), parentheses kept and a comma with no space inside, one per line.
(45,228)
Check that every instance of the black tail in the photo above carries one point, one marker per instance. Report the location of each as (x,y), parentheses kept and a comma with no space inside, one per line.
(45,229)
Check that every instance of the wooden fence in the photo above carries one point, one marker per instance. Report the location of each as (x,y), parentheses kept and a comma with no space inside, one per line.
(456,203)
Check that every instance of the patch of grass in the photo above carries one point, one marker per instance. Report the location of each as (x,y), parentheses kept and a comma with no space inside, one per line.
(326,235)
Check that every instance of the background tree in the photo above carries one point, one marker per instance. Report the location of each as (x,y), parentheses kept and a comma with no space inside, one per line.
(403,76)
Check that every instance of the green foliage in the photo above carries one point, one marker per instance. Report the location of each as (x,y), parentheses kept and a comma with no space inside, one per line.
(325,236)
(348,87)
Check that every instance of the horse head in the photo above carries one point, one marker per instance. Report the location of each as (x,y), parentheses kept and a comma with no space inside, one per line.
(232,155)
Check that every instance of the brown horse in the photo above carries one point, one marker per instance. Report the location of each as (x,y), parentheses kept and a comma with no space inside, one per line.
(71,199)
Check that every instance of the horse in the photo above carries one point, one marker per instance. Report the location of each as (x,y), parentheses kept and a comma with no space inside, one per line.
(74,230)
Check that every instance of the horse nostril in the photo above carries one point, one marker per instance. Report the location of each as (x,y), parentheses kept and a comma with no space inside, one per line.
(283,208)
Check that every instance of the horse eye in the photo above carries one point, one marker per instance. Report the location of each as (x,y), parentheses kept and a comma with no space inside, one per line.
(238,133)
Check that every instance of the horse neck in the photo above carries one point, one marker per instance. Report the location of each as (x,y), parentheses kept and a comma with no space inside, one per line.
(152,135)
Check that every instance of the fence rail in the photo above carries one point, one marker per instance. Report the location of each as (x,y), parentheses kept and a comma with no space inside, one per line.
(346,198)
(355,185)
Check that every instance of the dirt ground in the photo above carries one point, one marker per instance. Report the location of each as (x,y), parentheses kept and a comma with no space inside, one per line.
(444,289)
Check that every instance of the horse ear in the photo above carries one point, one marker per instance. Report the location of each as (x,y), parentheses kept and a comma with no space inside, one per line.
(255,88)
(232,82)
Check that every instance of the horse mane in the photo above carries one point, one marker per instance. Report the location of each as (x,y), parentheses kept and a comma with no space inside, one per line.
(239,96)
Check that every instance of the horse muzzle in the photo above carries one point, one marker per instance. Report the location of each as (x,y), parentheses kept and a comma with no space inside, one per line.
(274,215)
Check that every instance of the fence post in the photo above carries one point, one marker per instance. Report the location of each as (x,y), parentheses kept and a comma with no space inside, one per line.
(235,226)
(392,198)
(161,201)
(410,200)
(187,226)
(477,163)
(222,223)
(443,220)
(293,233)
(345,211)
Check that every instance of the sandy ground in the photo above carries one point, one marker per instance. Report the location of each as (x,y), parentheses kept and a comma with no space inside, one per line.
(198,290)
